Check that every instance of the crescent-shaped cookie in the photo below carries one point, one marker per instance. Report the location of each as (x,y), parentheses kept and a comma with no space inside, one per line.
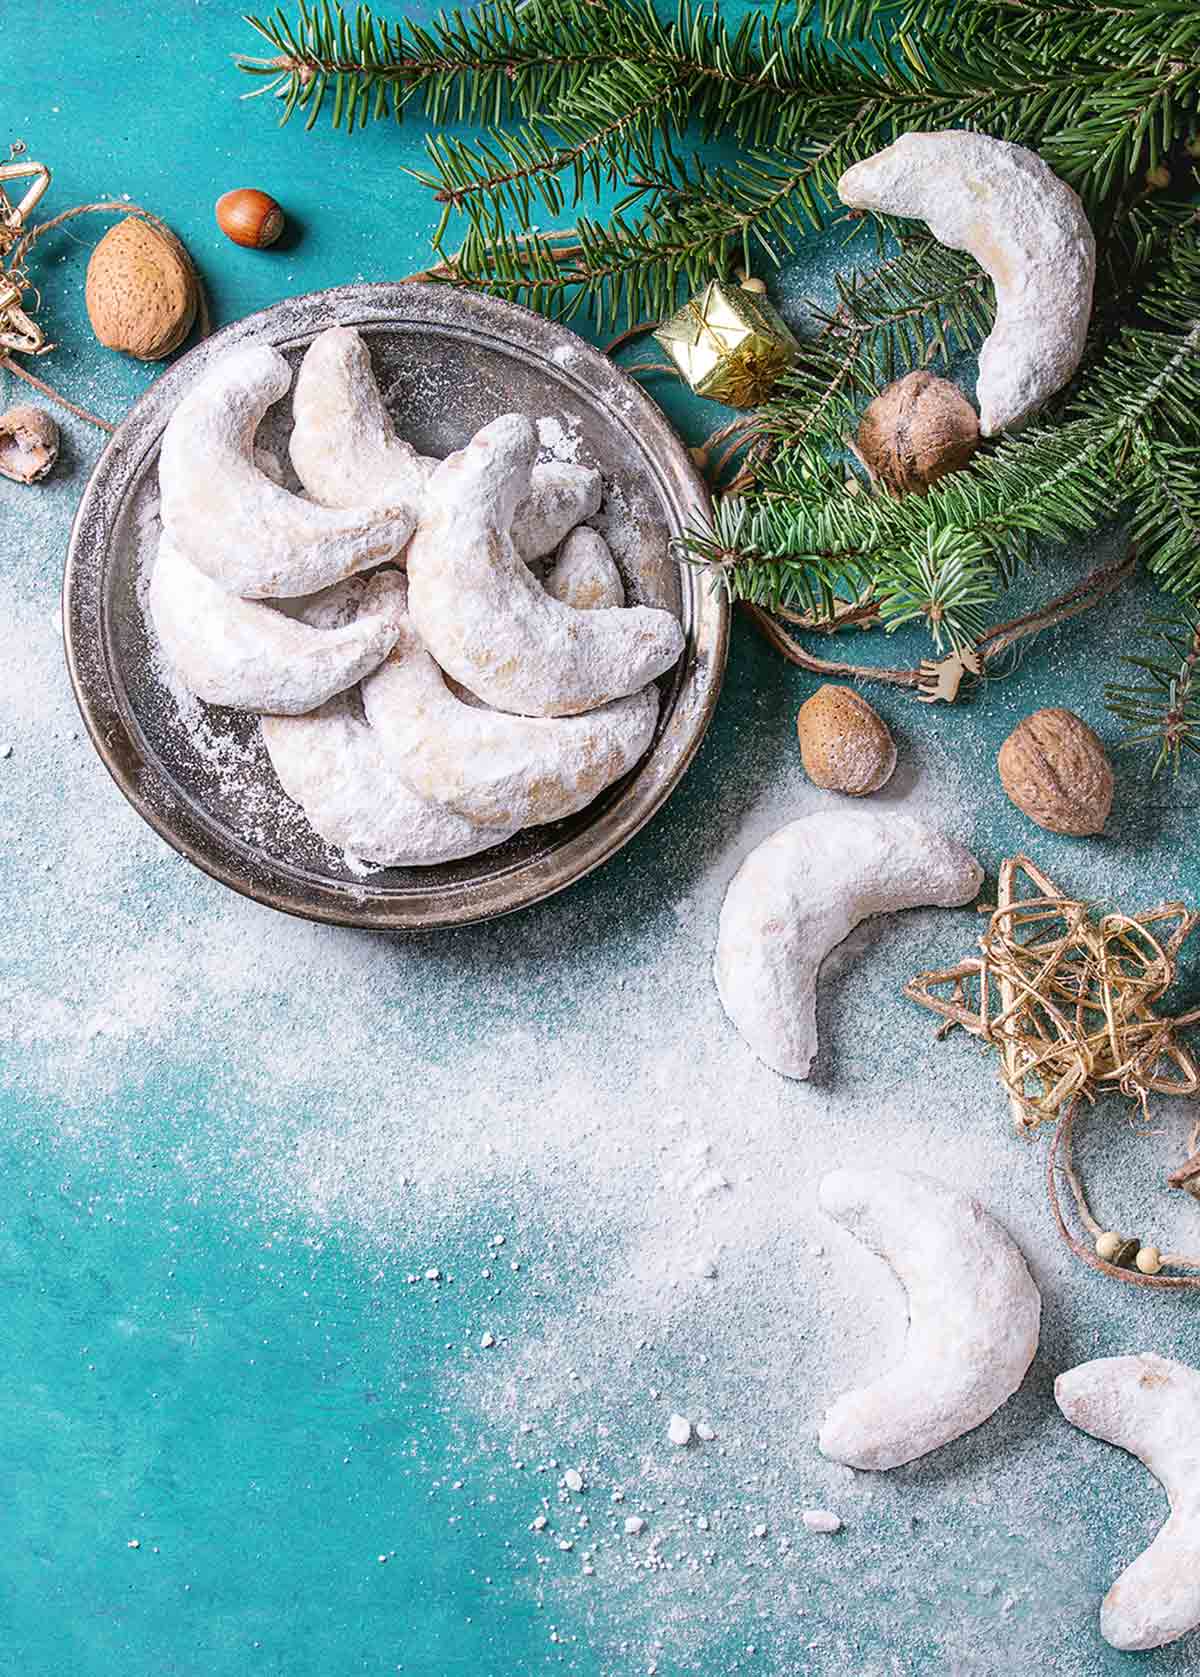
(561,495)
(495,769)
(1149,1406)
(248,534)
(246,654)
(346,452)
(804,889)
(974,1315)
(331,764)
(489,623)
(1024,226)
(344,447)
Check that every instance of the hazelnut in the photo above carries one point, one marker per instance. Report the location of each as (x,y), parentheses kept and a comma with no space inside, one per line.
(844,743)
(916,431)
(249,217)
(141,292)
(1055,770)
(28,444)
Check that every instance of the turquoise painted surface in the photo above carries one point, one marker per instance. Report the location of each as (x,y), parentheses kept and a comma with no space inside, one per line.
(213,1350)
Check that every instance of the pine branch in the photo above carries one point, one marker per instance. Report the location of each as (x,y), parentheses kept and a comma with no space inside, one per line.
(509,57)
(1163,709)
(697,219)
(1048,484)
(505,176)
(1101,91)
(582,98)
(606,90)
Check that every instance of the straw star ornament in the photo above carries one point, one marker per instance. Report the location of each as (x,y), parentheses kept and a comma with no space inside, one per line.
(1069,1000)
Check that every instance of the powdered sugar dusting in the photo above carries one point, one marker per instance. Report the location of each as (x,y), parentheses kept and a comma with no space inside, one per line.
(566,1079)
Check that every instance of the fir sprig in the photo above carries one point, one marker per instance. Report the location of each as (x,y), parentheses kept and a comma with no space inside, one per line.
(1163,708)
(921,304)
(576,96)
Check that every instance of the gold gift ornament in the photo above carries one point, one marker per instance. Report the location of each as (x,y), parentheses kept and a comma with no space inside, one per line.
(729,344)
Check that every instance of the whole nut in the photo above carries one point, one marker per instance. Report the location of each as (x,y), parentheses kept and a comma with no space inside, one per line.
(916,431)
(249,217)
(844,743)
(141,291)
(1055,770)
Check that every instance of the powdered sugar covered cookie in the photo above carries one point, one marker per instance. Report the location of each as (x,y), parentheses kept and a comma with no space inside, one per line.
(974,1316)
(561,495)
(584,574)
(343,445)
(245,653)
(799,894)
(330,763)
(486,619)
(227,517)
(496,769)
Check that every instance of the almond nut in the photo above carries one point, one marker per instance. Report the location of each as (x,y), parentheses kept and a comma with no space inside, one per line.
(1055,770)
(844,743)
(142,291)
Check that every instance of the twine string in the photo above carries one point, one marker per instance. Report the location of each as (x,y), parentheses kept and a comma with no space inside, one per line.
(1060,1163)
(1075,1016)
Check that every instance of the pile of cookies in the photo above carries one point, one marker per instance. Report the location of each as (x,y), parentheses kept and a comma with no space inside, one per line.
(424,692)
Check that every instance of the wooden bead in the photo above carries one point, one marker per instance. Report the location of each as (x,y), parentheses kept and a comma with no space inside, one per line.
(249,217)
(1108,1245)
(1149,1260)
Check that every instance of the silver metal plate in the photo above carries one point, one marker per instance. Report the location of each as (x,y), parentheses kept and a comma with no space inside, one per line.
(447,362)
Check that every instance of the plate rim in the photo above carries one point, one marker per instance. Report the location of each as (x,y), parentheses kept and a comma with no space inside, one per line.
(346,903)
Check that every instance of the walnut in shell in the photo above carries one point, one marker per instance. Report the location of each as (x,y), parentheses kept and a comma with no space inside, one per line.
(844,742)
(916,431)
(1055,770)
(28,444)
(142,292)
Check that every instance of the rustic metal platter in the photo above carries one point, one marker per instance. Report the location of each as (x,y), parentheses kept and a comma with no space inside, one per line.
(447,362)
